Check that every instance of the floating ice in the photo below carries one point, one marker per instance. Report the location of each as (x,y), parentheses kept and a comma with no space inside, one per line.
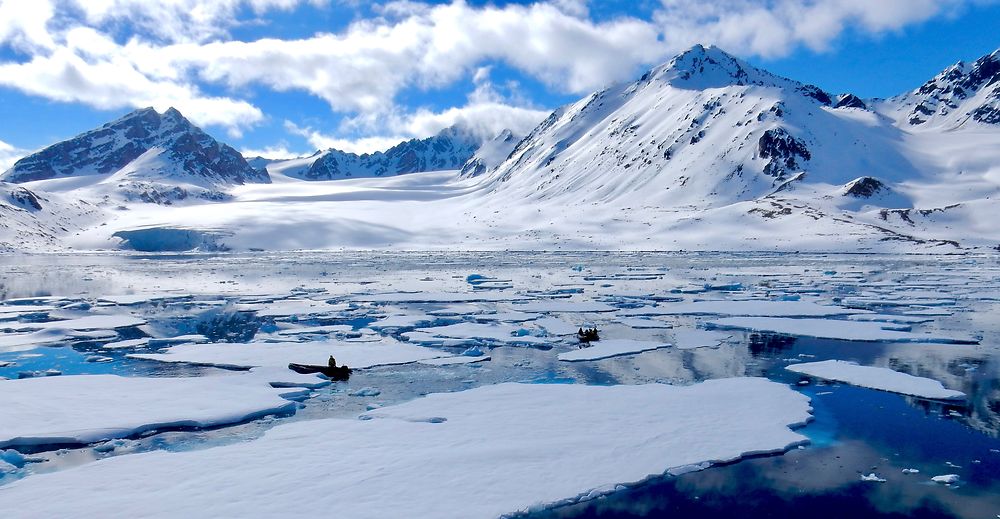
(565,306)
(475,332)
(458,359)
(691,339)
(643,323)
(873,477)
(91,408)
(832,329)
(27,341)
(437,297)
(611,348)
(872,377)
(242,355)
(748,308)
(946,479)
(556,326)
(90,322)
(402,321)
(130,343)
(435,446)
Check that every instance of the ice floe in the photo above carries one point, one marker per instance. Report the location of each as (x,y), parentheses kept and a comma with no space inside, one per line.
(90,322)
(458,359)
(27,341)
(872,377)
(643,323)
(564,307)
(90,408)
(611,348)
(418,459)
(691,339)
(748,308)
(257,354)
(437,297)
(462,333)
(833,329)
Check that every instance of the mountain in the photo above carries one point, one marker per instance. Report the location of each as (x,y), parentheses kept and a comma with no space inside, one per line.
(449,149)
(704,130)
(144,155)
(704,152)
(962,94)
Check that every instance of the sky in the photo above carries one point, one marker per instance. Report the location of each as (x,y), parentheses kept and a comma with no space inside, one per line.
(283,78)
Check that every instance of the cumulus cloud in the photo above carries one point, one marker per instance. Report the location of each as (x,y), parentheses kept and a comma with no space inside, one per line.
(9,155)
(117,53)
(773,28)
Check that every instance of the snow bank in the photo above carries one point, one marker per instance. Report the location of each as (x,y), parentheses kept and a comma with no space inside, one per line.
(91,408)
(519,446)
(872,377)
(611,348)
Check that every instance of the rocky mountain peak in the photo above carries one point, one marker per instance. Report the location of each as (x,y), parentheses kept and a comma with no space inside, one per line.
(182,152)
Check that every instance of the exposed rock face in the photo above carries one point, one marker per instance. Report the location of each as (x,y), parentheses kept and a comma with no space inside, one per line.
(182,152)
(850,101)
(865,187)
(449,149)
(784,153)
(962,92)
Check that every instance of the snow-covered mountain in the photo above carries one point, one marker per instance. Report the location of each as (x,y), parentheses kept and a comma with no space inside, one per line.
(704,130)
(449,149)
(962,94)
(144,156)
(491,154)
(705,152)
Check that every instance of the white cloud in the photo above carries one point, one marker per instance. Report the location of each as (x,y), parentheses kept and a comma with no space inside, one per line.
(132,53)
(9,155)
(115,83)
(276,152)
(773,28)
(322,141)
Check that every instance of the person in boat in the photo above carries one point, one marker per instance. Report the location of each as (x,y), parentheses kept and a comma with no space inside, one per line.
(332,362)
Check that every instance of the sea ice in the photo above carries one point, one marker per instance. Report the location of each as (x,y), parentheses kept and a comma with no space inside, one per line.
(458,359)
(564,307)
(91,408)
(748,308)
(832,329)
(691,339)
(248,355)
(475,332)
(872,377)
(90,322)
(520,443)
(437,297)
(611,348)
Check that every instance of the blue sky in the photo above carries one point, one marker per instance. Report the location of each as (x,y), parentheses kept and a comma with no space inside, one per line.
(290,76)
